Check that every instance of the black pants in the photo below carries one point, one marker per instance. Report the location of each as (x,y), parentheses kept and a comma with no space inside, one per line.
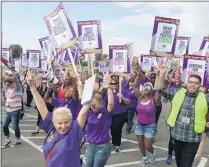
(170,145)
(29,98)
(185,153)
(157,113)
(116,128)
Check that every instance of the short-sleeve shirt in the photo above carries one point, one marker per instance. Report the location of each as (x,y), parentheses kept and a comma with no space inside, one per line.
(67,149)
(98,126)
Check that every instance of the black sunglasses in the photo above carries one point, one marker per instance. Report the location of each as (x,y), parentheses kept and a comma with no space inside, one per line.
(44,83)
(114,83)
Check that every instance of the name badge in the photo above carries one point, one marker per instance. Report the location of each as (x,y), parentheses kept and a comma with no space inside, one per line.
(185,120)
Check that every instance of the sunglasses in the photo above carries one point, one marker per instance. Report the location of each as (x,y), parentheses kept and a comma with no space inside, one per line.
(44,83)
(114,83)
(131,81)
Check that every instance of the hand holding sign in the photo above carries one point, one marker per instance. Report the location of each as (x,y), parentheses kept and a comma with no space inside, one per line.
(30,79)
(162,67)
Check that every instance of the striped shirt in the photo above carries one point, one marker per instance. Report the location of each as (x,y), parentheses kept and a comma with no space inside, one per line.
(181,131)
(14,97)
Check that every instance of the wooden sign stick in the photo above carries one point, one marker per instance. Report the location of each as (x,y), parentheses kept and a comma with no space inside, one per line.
(64,77)
(120,87)
(72,61)
(92,63)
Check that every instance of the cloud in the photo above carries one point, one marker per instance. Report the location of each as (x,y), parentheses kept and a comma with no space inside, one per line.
(193,18)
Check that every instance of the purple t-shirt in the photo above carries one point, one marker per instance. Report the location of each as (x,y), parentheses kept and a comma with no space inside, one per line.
(118,107)
(67,149)
(74,106)
(98,126)
(132,97)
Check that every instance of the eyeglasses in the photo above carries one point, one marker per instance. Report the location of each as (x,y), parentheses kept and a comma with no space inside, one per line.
(193,83)
(131,81)
(44,83)
(114,83)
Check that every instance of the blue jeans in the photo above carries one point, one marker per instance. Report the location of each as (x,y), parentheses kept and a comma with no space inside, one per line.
(13,117)
(131,114)
(97,155)
(147,131)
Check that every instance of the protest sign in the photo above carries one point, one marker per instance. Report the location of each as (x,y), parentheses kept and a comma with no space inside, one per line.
(89,36)
(204,48)
(194,64)
(60,29)
(164,36)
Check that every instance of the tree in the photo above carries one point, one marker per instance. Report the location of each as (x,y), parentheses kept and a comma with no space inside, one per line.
(84,63)
(16,50)
(100,57)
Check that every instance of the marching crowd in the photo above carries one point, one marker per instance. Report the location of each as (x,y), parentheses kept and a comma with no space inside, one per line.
(66,122)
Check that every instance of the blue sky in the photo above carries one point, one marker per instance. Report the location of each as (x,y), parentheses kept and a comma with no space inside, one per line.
(23,22)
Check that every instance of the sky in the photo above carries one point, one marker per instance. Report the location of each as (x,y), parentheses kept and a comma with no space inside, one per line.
(122,22)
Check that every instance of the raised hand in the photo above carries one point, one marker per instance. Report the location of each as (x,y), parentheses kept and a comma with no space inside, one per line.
(162,67)
(95,87)
(29,78)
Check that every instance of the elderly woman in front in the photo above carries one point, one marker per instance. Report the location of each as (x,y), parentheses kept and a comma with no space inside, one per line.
(62,145)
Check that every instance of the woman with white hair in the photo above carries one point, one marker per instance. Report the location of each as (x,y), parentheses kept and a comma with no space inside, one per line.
(62,144)
(146,122)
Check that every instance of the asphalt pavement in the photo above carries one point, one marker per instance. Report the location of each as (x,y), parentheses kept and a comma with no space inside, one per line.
(29,153)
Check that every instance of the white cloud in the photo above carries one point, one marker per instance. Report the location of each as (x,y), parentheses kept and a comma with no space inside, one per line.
(193,18)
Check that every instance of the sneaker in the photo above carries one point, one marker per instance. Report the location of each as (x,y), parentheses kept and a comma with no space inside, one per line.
(197,158)
(117,149)
(17,143)
(34,133)
(169,159)
(6,144)
(152,158)
(144,161)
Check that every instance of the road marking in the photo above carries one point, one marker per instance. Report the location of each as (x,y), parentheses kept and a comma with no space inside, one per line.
(28,115)
(203,162)
(135,142)
(133,163)
(26,125)
(28,141)
(36,137)
(33,120)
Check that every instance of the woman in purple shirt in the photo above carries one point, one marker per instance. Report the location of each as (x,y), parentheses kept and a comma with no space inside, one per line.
(98,127)
(132,106)
(146,122)
(62,145)
(120,114)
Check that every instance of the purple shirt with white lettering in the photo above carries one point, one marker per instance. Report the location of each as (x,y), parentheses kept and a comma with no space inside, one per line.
(67,149)
(98,126)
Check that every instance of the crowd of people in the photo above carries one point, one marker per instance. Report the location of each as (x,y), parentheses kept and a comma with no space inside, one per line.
(141,94)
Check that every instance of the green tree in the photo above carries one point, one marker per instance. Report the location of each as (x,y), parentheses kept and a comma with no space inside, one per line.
(84,63)
(100,57)
(16,50)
